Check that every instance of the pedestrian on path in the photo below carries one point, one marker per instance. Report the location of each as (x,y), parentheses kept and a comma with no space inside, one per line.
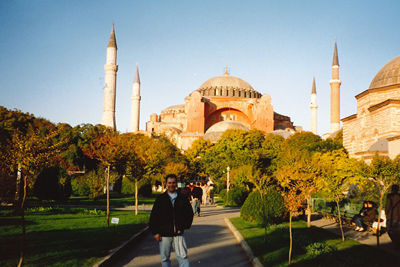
(392,210)
(204,188)
(197,194)
(170,216)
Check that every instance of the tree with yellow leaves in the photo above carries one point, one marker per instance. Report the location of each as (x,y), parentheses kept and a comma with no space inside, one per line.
(293,193)
(30,153)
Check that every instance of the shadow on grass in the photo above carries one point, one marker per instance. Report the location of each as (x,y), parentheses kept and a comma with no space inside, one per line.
(274,251)
(67,247)
(13,221)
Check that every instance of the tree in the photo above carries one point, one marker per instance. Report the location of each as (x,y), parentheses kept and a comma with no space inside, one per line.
(337,173)
(134,149)
(382,173)
(262,183)
(31,152)
(297,153)
(292,193)
(107,149)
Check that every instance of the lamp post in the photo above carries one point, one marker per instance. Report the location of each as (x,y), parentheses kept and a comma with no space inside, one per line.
(227,179)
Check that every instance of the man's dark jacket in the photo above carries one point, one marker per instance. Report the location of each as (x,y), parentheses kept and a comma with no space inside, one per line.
(164,216)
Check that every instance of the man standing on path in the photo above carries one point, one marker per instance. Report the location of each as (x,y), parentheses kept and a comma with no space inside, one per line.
(170,216)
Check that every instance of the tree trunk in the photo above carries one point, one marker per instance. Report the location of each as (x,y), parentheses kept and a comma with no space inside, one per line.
(23,240)
(340,220)
(308,212)
(378,231)
(136,197)
(108,195)
(290,235)
(264,216)
(17,197)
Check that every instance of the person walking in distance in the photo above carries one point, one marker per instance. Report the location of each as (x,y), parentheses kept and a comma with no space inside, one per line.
(170,216)
(197,193)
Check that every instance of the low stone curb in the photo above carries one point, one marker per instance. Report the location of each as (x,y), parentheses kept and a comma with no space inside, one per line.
(254,260)
(115,253)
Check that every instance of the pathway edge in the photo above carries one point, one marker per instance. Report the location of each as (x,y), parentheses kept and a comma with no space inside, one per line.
(239,238)
(108,259)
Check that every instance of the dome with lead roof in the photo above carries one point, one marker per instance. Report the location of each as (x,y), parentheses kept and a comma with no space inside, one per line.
(388,75)
(228,86)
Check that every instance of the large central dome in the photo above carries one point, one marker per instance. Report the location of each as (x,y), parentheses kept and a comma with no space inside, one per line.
(388,75)
(228,86)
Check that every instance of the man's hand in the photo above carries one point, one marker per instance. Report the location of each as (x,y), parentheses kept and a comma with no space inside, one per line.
(157,237)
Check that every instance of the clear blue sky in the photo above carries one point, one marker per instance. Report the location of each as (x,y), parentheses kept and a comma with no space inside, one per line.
(52,53)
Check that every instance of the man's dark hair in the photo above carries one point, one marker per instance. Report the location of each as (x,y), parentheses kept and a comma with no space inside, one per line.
(169,176)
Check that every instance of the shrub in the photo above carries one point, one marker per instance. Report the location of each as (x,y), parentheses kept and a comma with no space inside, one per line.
(236,196)
(274,208)
(128,186)
(222,195)
(319,248)
(145,190)
(79,187)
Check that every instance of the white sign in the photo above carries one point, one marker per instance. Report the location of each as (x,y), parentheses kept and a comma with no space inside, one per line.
(115,220)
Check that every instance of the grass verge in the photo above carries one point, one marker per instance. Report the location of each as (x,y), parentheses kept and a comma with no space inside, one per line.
(311,247)
(65,237)
(116,200)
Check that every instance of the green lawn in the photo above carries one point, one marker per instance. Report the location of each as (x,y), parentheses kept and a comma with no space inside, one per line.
(116,200)
(311,247)
(65,237)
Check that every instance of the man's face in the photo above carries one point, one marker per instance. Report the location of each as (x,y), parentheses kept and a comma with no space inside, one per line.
(171,185)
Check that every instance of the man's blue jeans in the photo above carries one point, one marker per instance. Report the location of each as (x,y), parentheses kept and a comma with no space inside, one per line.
(179,245)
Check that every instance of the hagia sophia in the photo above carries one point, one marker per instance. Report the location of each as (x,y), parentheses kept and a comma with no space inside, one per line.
(229,102)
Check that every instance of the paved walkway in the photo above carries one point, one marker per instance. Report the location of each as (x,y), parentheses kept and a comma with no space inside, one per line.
(209,240)
(366,238)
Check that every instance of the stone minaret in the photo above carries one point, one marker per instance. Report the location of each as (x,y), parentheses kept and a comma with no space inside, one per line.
(313,107)
(335,93)
(135,112)
(110,80)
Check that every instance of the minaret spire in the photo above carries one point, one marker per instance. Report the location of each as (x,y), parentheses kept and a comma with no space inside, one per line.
(135,109)
(313,90)
(137,78)
(335,83)
(313,107)
(110,85)
(335,61)
(112,42)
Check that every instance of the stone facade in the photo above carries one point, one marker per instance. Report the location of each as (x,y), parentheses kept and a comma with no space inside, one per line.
(375,128)
(219,100)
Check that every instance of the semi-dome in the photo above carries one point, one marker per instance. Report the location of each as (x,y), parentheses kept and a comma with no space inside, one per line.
(388,75)
(215,131)
(228,86)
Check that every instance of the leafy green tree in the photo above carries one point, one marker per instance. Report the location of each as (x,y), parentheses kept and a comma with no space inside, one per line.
(196,156)
(337,173)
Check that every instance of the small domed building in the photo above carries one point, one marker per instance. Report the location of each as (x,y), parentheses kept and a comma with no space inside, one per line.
(220,103)
(375,128)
